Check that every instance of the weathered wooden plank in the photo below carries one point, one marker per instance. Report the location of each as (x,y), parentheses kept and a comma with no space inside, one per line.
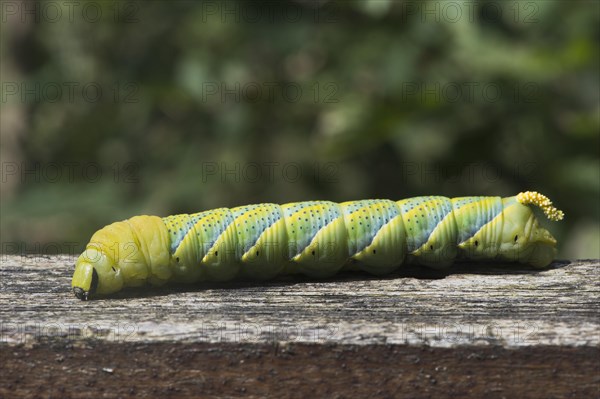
(471,304)
(476,330)
(101,369)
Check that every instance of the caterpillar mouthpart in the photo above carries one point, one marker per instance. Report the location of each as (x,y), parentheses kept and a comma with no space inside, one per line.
(85,281)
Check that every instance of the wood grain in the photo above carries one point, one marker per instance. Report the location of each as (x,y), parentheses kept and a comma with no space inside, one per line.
(471,304)
(476,329)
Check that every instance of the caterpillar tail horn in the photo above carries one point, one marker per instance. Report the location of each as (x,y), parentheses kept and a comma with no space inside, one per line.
(542,243)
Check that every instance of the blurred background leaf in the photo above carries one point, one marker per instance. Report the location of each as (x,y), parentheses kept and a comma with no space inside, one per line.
(111,109)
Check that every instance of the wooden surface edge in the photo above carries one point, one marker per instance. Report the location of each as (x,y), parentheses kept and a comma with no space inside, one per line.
(297,370)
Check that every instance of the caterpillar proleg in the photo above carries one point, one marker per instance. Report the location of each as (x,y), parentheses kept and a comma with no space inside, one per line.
(315,238)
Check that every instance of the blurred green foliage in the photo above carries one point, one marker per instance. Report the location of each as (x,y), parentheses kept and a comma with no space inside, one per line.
(167,107)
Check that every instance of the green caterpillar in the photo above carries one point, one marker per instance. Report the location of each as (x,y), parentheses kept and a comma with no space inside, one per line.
(315,238)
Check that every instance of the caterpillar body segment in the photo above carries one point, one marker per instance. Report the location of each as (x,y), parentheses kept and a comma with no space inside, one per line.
(314,238)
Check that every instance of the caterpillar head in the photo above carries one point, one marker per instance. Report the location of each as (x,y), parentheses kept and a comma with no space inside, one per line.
(523,239)
(95,273)
(123,254)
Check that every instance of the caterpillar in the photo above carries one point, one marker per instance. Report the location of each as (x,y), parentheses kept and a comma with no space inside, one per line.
(315,238)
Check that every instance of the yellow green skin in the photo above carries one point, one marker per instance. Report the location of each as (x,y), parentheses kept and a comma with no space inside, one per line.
(315,238)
